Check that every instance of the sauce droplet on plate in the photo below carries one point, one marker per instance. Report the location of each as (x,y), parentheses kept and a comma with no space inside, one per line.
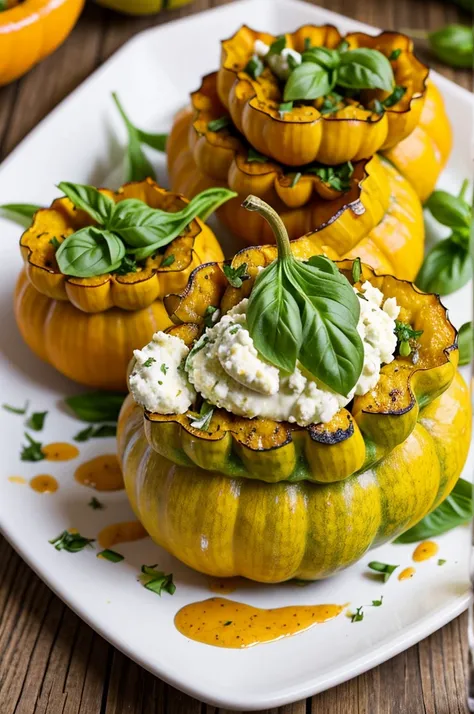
(224,585)
(60,451)
(125,532)
(102,473)
(44,483)
(17,479)
(227,623)
(407,574)
(424,551)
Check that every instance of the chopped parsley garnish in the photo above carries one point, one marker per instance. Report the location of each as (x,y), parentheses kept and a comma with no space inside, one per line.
(164,368)
(384,569)
(55,243)
(254,67)
(277,46)
(16,410)
(441,561)
(356,270)
(377,603)
(296,178)
(307,43)
(32,452)
(395,54)
(203,419)
(148,362)
(336,177)
(229,622)
(407,339)
(110,555)
(218,124)
(95,504)
(169,260)
(394,97)
(358,616)
(253,155)
(236,276)
(96,432)
(72,542)
(209,315)
(235,329)
(36,421)
(128,265)
(156,580)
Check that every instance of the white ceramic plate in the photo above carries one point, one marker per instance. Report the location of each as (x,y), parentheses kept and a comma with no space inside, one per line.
(80,141)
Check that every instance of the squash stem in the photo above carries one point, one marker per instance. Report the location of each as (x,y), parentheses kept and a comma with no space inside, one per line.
(253,203)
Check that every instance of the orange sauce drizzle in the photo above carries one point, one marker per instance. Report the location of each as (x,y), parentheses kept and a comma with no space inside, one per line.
(17,479)
(424,551)
(44,483)
(407,574)
(102,473)
(60,451)
(226,623)
(224,586)
(125,532)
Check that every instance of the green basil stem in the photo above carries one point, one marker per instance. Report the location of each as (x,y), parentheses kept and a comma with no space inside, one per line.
(253,203)
(463,190)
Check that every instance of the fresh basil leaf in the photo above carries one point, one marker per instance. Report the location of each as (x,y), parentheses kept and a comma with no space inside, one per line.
(308,81)
(358,615)
(277,46)
(32,452)
(90,251)
(218,124)
(383,568)
(254,67)
(96,406)
(91,432)
(155,141)
(156,580)
(453,45)
(452,211)
(331,348)
(16,410)
(21,211)
(325,57)
(236,276)
(128,265)
(446,268)
(364,68)
(465,343)
(95,504)
(455,510)
(111,555)
(394,97)
(273,318)
(137,165)
(71,542)
(89,199)
(36,421)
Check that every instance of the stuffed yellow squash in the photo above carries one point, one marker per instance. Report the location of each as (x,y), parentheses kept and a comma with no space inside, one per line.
(97,266)
(298,413)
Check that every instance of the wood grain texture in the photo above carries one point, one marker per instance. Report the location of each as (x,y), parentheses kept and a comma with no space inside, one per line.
(53,663)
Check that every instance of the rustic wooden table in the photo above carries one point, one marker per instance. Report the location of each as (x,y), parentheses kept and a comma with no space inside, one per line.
(53,663)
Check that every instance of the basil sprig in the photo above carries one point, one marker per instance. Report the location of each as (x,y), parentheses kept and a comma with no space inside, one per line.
(465,343)
(322,69)
(455,511)
(306,312)
(448,265)
(20,212)
(129,227)
(137,166)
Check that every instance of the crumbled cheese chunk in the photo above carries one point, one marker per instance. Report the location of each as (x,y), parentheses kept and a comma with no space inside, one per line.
(278,63)
(158,380)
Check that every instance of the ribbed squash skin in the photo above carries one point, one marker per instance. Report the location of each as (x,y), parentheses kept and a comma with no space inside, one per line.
(31,31)
(226,526)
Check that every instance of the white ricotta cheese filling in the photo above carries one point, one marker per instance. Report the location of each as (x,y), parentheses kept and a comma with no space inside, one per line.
(225,369)
(158,381)
(278,63)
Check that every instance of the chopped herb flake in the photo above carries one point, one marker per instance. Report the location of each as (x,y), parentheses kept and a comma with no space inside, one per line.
(236,276)
(210,315)
(254,67)
(164,368)
(55,243)
(285,108)
(148,362)
(358,616)
(356,270)
(384,569)
(377,603)
(296,178)
(32,452)
(95,504)
(156,580)
(16,410)
(110,555)
(218,124)
(36,421)
(441,561)
(128,265)
(394,55)
(253,155)
(96,432)
(72,542)
(203,421)
(169,260)
(229,622)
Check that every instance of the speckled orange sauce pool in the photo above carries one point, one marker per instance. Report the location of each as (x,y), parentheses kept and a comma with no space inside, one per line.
(60,451)
(44,483)
(224,586)
(407,574)
(102,473)
(125,532)
(227,623)
(424,551)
